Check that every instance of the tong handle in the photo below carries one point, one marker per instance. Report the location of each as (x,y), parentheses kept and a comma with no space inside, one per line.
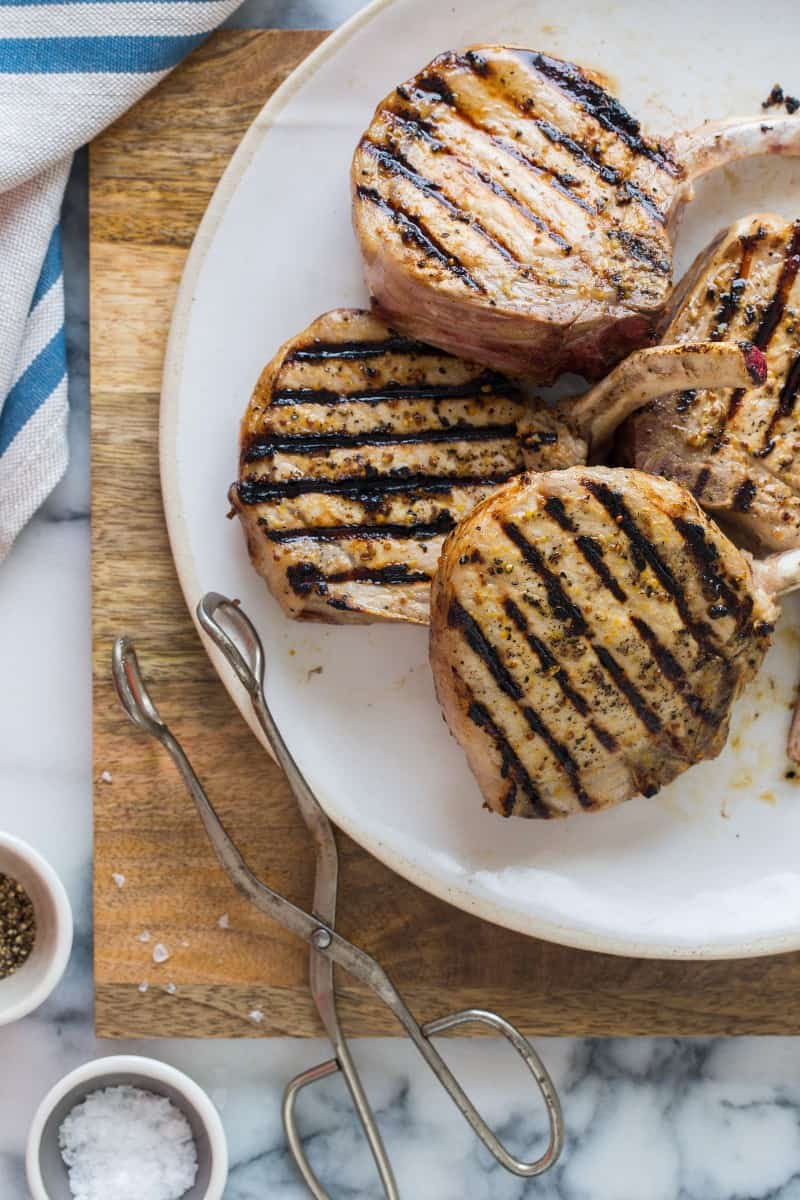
(492,1020)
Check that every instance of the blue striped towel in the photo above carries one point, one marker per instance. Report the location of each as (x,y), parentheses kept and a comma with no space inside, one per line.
(67,69)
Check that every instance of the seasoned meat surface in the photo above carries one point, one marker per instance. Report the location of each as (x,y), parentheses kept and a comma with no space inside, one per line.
(590,630)
(360,450)
(737,450)
(511,210)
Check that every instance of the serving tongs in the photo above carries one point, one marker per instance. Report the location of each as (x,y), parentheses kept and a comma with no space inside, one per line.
(235,637)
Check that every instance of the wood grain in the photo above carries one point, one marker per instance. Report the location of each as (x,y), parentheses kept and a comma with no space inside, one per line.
(151,177)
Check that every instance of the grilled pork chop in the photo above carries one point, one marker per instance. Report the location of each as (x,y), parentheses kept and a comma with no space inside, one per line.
(360,450)
(590,630)
(509,209)
(355,439)
(737,451)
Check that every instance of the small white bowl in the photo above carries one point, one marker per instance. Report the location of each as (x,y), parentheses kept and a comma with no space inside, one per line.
(47,1173)
(32,983)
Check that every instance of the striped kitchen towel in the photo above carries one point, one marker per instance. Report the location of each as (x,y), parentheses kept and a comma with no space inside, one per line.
(67,69)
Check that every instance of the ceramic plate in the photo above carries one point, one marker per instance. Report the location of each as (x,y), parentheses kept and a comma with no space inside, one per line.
(710,867)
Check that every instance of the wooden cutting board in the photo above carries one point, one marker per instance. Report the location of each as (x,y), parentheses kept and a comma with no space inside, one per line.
(152,175)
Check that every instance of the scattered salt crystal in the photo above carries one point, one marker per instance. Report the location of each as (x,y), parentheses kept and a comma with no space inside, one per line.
(106,776)
(224,921)
(256,1016)
(119,880)
(144,936)
(129,1144)
(143,986)
(170,988)
(160,953)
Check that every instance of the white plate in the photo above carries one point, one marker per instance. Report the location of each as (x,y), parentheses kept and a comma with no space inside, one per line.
(710,867)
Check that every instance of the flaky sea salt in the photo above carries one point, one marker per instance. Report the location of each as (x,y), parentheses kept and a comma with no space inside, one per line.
(119,880)
(123,1143)
(106,776)
(224,921)
(170,989)
(160,953)
(144,936)
(256,1016)
(143,986)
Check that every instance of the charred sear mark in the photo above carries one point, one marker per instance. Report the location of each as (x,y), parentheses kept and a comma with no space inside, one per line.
(394,162)
(426,132)
(649,718)
(419,531)
(315,443)
(686,400)
(487,384)
(550,664)
(554,507)
(745,494)
(592,551)
(511,767)
(413,229)
(672,670)
(305,577)
(706,555)
(319,351)
(554,135)
(786,405)
(773,314)
(645,553)
(699,486)
(369,490)
(643,250)
(601,105)
(562,608)
(459,618)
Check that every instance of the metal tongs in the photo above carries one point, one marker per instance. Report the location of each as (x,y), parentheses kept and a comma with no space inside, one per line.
(233,634)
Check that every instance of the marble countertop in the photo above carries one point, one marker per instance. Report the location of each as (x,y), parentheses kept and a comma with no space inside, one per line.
(646,1119)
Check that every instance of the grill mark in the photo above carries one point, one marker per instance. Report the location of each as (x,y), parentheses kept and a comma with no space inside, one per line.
(703,476)
(367,490)
(744,496)
(419,531)
(672,670)
(786,405)
(265,447)
(414,228)
(730,301)
(644,552)
(551,665)
(729,306)
(483,385)
(305,577)
(512,766)
(394,162)
(562,608)
(319,351)
(641,249)
(432,189)
(459,618)
(558,138)
(554,507)
(706,556)
(601,105)
(771,318)
(649,718)
(592,551)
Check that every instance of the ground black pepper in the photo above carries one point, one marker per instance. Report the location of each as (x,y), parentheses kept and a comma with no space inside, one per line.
(17,925)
